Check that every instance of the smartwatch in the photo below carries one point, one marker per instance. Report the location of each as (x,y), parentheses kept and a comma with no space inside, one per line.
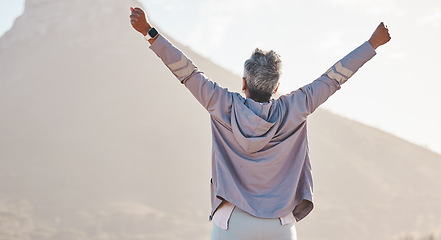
(152,33)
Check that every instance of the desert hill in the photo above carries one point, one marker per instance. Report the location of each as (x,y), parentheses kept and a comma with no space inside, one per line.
(98,140)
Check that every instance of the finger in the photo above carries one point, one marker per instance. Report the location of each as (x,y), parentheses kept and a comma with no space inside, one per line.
(131,9)
(138,10)
(133,17)
(381,26)
(136,13)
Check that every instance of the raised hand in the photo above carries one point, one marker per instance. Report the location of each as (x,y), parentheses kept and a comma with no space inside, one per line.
(380,36)
(139,21)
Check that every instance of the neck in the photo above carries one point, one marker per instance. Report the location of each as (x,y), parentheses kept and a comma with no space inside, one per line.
(248,95)
(260,101)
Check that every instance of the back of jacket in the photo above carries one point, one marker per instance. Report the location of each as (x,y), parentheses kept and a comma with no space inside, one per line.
(260,160)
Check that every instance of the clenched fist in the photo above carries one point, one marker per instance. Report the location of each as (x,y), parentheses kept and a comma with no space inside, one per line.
(380,36)
(139,21)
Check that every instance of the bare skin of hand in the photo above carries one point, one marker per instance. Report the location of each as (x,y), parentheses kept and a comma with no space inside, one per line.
(139,21)
(380,36)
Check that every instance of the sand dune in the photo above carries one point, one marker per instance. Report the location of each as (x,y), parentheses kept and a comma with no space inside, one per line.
(98,140)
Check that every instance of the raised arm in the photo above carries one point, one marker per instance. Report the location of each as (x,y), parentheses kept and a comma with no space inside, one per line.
(311,96)
(212,97)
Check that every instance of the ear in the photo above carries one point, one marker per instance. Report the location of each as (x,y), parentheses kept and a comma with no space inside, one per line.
(275,91)
(244,85)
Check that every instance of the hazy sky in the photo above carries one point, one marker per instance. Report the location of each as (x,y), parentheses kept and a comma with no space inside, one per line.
(398,91)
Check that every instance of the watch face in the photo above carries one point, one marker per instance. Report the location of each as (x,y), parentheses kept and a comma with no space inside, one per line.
(152,32)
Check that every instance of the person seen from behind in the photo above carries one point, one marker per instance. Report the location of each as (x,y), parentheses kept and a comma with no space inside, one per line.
(261,172)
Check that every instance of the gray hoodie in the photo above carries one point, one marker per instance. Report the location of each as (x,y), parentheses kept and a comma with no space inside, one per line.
(260,160)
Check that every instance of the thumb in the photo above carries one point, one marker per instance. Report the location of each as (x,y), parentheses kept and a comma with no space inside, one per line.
(382,25)
(131,9)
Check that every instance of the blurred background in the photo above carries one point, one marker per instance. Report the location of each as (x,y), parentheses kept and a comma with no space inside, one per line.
(98,140)
(400,97)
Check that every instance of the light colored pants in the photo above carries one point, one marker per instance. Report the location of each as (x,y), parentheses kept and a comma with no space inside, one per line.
(243,226)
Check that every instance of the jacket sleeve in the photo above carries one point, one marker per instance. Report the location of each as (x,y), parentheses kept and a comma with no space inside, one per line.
(212,97)
(309,97)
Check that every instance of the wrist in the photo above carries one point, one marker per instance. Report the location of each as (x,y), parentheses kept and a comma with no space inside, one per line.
(373,44)
(146,30)
(152,40)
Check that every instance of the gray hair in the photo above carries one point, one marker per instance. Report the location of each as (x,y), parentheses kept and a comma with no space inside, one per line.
(262,72)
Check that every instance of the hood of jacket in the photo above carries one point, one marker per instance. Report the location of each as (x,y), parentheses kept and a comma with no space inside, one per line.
(253,123)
